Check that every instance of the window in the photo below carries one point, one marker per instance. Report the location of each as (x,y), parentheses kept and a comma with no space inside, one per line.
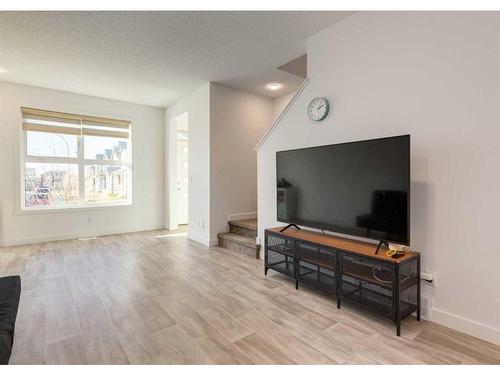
(74,161)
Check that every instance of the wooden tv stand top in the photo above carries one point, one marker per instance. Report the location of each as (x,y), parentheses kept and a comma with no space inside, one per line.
(345,244)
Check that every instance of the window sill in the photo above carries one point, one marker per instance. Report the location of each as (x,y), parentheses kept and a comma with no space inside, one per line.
(75,208)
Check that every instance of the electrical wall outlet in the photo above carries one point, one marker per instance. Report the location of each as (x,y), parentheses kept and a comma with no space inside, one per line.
(429,278)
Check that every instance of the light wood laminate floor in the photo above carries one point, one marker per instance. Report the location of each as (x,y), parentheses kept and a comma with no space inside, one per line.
(156,297)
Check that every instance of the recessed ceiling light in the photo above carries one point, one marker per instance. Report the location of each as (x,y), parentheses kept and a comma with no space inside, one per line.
(274,86)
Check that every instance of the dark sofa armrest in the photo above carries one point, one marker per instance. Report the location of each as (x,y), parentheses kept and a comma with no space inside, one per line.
(10,292)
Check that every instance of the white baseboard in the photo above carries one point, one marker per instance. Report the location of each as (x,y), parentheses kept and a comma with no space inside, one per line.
(199,239)
(243,216)
(172,227)
(467,326)
(74,235)
(203,241)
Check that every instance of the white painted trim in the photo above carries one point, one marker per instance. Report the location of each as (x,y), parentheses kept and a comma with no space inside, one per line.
(74,235)
(73,208)
(198,239)
(282,114)
(467,326)
(214,243)
(243,216)
(172,226)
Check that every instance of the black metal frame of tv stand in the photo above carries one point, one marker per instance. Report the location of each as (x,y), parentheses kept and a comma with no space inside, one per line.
(291,264)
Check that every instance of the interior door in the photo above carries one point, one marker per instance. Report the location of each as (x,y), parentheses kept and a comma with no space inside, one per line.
(182,182)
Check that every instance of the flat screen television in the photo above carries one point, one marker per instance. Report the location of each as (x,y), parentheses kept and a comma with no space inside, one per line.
(357,188)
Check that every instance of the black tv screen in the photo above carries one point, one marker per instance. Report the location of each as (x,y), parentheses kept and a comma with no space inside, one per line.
(356,188)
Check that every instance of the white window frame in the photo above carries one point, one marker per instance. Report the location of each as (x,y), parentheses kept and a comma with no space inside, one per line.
(81,162)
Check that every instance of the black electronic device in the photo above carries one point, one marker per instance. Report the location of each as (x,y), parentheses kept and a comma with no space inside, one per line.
(356,188)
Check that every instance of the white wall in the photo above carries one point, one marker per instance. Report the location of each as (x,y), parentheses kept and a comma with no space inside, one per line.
(147,147)
(280,102)
(435,76)
(237,121)
(197,105)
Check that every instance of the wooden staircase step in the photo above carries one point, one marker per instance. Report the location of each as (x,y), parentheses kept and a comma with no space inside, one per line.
(246,228)
(248,223)
(240,243)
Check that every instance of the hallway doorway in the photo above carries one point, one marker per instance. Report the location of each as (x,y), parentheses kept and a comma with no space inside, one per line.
(178,172)
(182,175)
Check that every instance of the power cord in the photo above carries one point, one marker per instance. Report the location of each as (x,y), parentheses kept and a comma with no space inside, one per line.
(378,279)
(387,281)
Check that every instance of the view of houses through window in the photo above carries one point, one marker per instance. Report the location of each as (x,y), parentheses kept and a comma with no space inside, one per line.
(48,184)
(58,166)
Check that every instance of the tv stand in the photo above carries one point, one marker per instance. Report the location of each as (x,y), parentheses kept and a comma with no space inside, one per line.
(290,226)
(349,270)
(382,242)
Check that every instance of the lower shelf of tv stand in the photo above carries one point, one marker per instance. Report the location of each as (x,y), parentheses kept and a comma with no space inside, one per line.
(282,267)
(319,279)
(375,302)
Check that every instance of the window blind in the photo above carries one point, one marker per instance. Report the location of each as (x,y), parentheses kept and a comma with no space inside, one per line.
(67,123)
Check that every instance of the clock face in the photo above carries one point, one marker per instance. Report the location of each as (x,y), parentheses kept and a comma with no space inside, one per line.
(318,109)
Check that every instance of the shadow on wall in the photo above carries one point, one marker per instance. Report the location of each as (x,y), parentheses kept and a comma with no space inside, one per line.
(421,221)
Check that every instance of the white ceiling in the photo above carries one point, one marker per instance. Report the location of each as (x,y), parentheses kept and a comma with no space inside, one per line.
(154,58)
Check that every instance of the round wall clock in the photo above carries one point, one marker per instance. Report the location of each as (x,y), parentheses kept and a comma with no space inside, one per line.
(318,109)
